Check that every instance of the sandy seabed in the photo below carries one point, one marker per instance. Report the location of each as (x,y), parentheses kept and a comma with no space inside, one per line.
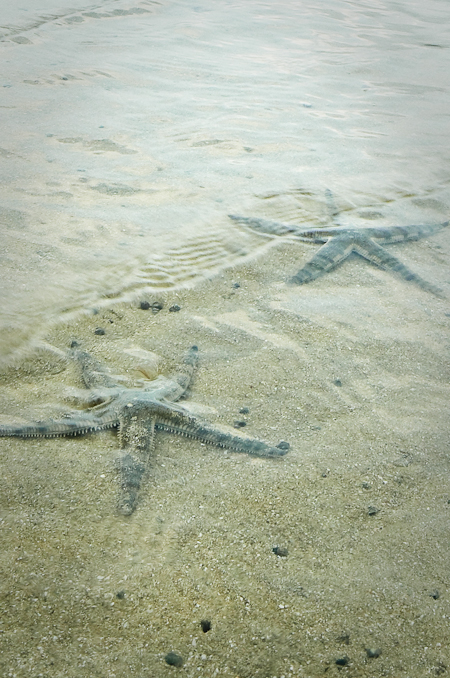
(130,130)
(350,370)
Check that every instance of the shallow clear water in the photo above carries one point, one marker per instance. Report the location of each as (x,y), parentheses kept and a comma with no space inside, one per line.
(131,129)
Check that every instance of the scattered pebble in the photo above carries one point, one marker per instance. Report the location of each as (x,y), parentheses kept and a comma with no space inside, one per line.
(280,551)
(206,625)
(366,486)
(120,595)
(175,308)
(372,510)
(100,331)
(435,594)
(236,285)
(283,445)
(342,661)
(373,654)
(173,659)
(156,306)
(337,382)
(239,424)
(244,410)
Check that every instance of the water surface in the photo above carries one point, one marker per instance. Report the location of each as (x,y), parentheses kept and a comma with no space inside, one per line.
(130,130)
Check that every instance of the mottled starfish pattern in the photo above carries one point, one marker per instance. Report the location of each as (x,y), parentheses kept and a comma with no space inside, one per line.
(340,242)
(137,413)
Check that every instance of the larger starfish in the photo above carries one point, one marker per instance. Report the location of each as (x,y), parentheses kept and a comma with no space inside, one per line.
(341,241)
(137,413)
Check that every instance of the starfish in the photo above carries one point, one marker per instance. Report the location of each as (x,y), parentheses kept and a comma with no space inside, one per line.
(340,242)
(137,413)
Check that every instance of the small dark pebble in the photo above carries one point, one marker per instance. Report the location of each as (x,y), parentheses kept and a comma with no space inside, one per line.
(120,595)
(244,410)
(239,424)
(100,331)
(280,551)
(206,625)
(325,474)
(175,308)
(372,510)
(144,305)
(157,306)
(366,486)
(373,654)
(236,285)
(435,594)
(342,661)
(337,382)
(173,659)
(283,445)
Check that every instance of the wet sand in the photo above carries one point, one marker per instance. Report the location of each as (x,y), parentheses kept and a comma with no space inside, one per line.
(351,371)
(130,130)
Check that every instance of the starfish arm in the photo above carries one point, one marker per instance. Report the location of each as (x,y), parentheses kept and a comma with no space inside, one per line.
(182,380)
(137,428)
(333,209)
(90,397)
(191,427)
(315,235)
(93,373)
(137,436)
(391,234)
(328,257)
(385,235)
(377,255)
(78,424)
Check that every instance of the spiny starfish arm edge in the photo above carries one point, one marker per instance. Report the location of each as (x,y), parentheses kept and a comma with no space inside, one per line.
(58,428)
(217,438)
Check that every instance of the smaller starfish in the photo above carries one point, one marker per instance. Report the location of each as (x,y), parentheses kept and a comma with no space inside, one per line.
(341,241)
(137,413)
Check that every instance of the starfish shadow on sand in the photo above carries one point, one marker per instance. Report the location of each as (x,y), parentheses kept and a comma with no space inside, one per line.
(137,413)
(339,242)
